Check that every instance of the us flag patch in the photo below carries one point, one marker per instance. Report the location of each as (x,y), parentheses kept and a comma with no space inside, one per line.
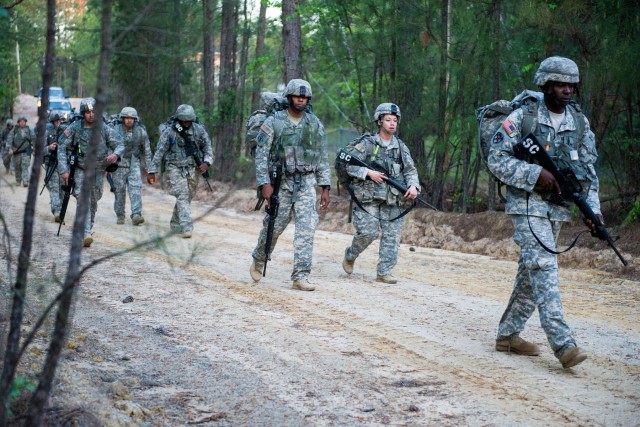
(509,127)
(265,129)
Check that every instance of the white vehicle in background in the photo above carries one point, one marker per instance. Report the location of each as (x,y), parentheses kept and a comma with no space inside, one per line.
(58,102)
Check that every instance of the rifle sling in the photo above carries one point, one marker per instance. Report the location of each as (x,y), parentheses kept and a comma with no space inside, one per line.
(551,251)
(355,199)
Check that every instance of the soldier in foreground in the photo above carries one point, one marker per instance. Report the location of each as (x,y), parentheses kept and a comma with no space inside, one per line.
(4,149)
(137,153)
(182,141)
(77,138)
(569,141)
(51,164)
(295,140)
(380,206)
(20,145)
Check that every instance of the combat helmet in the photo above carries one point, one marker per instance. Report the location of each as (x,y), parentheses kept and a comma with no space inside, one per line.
(10,122)
(87,104)
(298,87)
(53,117)
(22,117)
(129,112)
(386,108)
(186,113)
(556,69)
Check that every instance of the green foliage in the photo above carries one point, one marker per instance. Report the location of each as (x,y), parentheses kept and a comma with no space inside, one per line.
(634,214)
(19,387)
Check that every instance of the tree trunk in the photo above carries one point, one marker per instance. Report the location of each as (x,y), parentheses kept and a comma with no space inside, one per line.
(443,97)
(495,73)
(258,80)
(41,395)
(19,289)
(241,94)
(177,62)
(291,40)
(208,59)
(227,146)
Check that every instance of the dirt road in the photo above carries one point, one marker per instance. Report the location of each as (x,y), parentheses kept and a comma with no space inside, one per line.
(201,344)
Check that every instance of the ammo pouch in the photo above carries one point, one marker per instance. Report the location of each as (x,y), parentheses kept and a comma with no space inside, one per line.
(300,159)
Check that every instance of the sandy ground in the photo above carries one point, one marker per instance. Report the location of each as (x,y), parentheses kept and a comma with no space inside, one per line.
(201,344)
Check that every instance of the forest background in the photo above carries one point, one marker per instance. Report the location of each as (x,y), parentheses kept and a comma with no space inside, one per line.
(439,60)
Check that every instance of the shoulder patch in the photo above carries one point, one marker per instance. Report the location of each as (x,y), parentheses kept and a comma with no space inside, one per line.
(509,127)
(265,129)
(498,137)
(67,133)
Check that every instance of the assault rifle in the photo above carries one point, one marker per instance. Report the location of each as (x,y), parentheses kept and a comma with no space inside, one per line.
(530,149)
(71,183)
(51,168)
(192,150)
(352,160)
(272,209)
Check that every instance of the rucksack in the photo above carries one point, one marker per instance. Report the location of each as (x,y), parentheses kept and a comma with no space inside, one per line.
(491,117)
(271,103)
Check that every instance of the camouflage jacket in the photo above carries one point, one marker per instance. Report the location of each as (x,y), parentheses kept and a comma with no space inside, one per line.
(76,133)
(136,144)
(21,138)
(303,147)
(395,158)
(172,148)
(576,151)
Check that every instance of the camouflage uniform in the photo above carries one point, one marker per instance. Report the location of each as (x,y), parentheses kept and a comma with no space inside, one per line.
(303,147)
(381,201)
(536,283)
(4,149)
(110,143)
(54,187)
(137,154)
(21,140)
(180,168)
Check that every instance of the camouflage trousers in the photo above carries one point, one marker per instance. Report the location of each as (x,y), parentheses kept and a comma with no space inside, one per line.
(182,181)
(128,178)
(22,167)
(55,192)
(96,194)
(6,160)
(368,225)
(536,284)
(303,208)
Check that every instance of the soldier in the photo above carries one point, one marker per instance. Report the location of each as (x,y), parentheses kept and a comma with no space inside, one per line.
(380,206)
(174,155)
(78,135)
(51,164)
(298,137)
(20,145)
(565,132)
(137,153)
(4,149)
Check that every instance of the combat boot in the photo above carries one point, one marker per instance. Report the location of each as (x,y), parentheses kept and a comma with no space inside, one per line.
(137,219)
(120,220)
(256,270)
(25,184)
(302,285)
(87,241)
(387,278)
(573,356)
(186,235)
(515,344)
(346,264)
(56,218)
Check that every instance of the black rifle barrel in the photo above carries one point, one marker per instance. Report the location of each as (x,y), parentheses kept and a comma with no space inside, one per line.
(272,210)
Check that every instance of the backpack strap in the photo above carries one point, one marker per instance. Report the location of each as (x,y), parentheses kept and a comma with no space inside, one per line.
(529,118)
(578,118)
